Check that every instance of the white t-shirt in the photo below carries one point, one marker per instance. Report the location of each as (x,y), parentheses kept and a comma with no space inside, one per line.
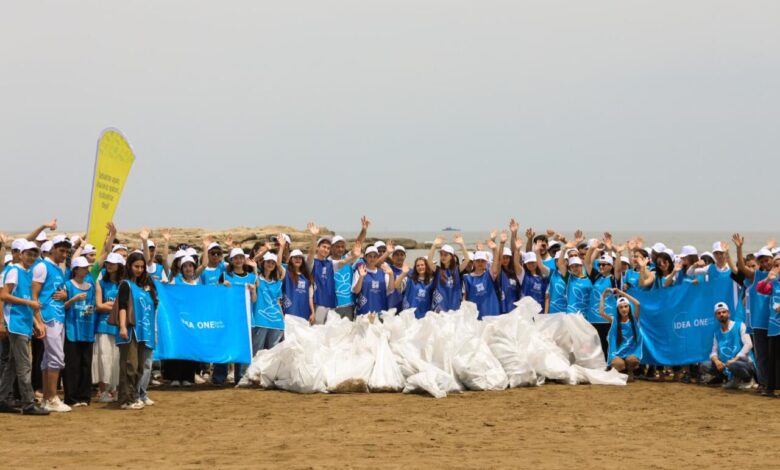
(372,271)
(40,272)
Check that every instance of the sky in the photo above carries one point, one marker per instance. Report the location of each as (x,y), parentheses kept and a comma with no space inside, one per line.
(627,115)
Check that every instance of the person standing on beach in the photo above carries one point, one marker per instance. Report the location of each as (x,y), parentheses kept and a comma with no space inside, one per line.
(480,285)
(625,338)
(373,284)
(771,286)
(79,335)
(448,293)
(181,372)
(298,291)
(212,265)
(345,299)
(602,279)
(106,351)
(49,289)
(417,287)
(323,268)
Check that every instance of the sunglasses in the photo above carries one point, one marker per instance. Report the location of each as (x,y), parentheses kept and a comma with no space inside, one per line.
(215,253)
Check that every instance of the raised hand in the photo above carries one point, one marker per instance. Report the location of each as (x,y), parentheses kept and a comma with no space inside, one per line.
(364,222)
(514,226)
(3,239)
(608,240)
(503,237)
(438,241)
(111,228)
(631,244)
(479,245)
(519,243)
(52,225)
(313,229)
(620,248)
(578,237)
(282,242)
(362,270)
(771,243)
(529,233)
(738,240)
(678,266)
(458,239)
(386,269)
(229,240)
(357,249)
(493,234)
(144,234)
(491,244)
(406,268)
(642,262)
(166,234)
(208,239)
(724,245)
(390,246)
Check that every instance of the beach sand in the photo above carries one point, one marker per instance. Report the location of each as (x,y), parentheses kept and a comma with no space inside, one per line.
(643,425)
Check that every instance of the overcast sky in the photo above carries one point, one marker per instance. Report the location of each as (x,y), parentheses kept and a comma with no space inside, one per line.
(630,115)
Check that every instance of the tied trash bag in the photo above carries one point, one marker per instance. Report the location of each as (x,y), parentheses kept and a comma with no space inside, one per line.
(386,376)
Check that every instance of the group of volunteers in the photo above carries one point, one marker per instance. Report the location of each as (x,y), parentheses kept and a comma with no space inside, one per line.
(88,318)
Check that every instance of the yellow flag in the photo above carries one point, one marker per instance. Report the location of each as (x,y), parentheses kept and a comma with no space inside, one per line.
(112,165)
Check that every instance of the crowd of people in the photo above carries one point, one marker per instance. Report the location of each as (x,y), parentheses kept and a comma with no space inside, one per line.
(85,318)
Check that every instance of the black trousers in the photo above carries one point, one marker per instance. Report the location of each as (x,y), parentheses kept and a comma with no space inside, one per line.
(773,363)
(175,369)
(77,376)
(603,330)
(37,355)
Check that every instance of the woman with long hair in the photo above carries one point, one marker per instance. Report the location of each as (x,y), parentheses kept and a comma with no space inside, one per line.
(448,285)
(417,287)
(298,292)
(625,337)
(106,355)
(182,372)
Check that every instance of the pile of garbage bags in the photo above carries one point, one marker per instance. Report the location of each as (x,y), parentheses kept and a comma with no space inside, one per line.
(439,354)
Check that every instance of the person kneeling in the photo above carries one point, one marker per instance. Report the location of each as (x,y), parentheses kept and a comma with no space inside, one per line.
(730,348)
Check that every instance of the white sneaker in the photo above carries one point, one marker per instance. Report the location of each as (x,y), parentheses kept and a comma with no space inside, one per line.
(175,383)
(147,401)
(244,382)
(56,405)
(155,383)
(199,380)
(133,406)
(230,377)
(80,404)
(186,383)
(105,397)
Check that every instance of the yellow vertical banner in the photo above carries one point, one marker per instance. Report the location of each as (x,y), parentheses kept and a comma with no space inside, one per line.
(112,165)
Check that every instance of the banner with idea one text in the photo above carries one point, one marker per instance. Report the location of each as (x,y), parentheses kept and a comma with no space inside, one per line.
(204,324)
(112,166)
(678,322)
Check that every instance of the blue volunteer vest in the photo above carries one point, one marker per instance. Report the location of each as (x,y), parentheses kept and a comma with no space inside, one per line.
(19,318)
(158,273)
(630,279)
(324,283)
(180,281)
(343,284)
(774,316)
(600,284)
(143,309)
(729,342)
(758,304)
(210,276)
(268,312)
(395,299)
(418,295)
(52,310)
(629,344)
(509,292)
(578,291)
(373,294)
(110,291)
(447,294)
(557,290)
(296,296)
(481,290)
(81,316)
(536,287)
(550,264)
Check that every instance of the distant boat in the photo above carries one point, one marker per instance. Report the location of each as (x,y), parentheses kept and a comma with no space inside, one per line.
(450,229)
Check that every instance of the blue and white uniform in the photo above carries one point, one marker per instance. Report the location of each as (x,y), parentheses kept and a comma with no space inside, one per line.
(109,291)
(268,311)
(210,276)
(19,318)
(510,291)
(630,344)
(144,312)
(52,279)
(324,283)
(481,289)
(535,286)
(578,291)
(295,299)
(374,291)
(557,290)
(447,293)
(80,316)
(418,295)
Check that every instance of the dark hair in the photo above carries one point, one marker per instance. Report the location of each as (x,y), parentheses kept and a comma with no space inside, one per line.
(750,257)
(428,273)
(255,248)
(642,252)
(248,268)
(542,238)
(657,268)
(176,267)
(444,271)
(143,280)
(276,274)
(118,275)
(304,270)
(630,319)
(510,268)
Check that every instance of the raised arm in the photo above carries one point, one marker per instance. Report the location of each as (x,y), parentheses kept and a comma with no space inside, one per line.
(34,234)
(361,271)
(166,234)
(517,262)
(435,245)
(602,313)
(631,299)
(646,277)
(390,278)
(458,240)
(314,231)
(725,247)
(590,255)
(399,281)
(529,235)
(364,223)
(144,234)
(353,256)
(498,252)
(208,239)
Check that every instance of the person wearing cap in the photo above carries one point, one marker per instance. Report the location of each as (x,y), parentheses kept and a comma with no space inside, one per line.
(771,286)
(23,320)
(181,372)
(241,275)
(480,284)
(447,294)
(345,299)
(417,287)
(541,244)
(212,266)
(267,317)
(602,279)
(689,256)
(397,254)
(106,355)
(134,315)
(155,270)
(578,284)
(80,327)
(661,276)
(323,270)
(283,256)
(758,304)
(373,284)
(625,337)
(731,345)
(48,288)
(297,289)
(534,279)
(509,276)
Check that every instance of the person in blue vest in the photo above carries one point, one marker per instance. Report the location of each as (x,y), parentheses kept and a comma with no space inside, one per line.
(22,317)
(625,337)
(416,288)
(509,277)
(373,283)
(107,353)
(771,286)
(731,345)
(323,270)
(660,277)
(49,289)
(298,289)
(156,270)
(212,265)
(534,279)
(602,279)
(136,311)
(267,317)
(237,274)
(181,372)
(578,284)
(80,327)
(480,285)
(397,263)
(345,299)
(447,278)
(758,305)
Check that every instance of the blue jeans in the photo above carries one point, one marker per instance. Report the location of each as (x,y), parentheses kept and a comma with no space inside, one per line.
(146,377)
(265,338)
(742,370)
(221,371)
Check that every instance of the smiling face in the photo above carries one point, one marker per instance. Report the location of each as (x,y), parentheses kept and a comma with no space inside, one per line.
(188,270)
(28,257)
(338,249)
(541,245)
(421,267)
(297,261)
(323,249)
(269,266)
(623,309)
(720,258)
(605,269)
(445,258)
(59,253)
(722,314)
(398,258)
(215,256)
(480,265)
(238,261)
(765,263)
(576,269)
(371,260)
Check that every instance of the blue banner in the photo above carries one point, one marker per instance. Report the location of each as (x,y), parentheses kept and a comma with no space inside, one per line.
(678,322)
(204,324)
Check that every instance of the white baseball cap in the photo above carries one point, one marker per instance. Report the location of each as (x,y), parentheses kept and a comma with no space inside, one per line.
(530,257)
(118,247)
(624,259)
(336,239)
(179,254)
(399,248)
(575,260)
(213,245)
(379,244)
(236,252)
(324,239)
(717,248)
(447,249)
(88,249)
(372,249)
(507,251)
(776,250)
(191,251)
(60,239)
(18,244)
(151,243)
(659,247)
(115,258)
(593,242)
(41,237)
(28,245)
(607,259)
(187,259)
(706,253)
(623,300)
(480,256)
(689,250)
(670,252)
(552,243)
(46,247)
(763,252)
(299,253)
(8,259)
(286,238)
(471,256)
(270,257)
(720,306)
(75,239)
(79,262)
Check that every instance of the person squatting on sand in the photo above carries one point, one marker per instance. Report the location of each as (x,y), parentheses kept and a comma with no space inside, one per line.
(95,313)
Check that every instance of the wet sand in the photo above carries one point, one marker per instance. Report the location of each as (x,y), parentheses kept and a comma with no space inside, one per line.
(643,425)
